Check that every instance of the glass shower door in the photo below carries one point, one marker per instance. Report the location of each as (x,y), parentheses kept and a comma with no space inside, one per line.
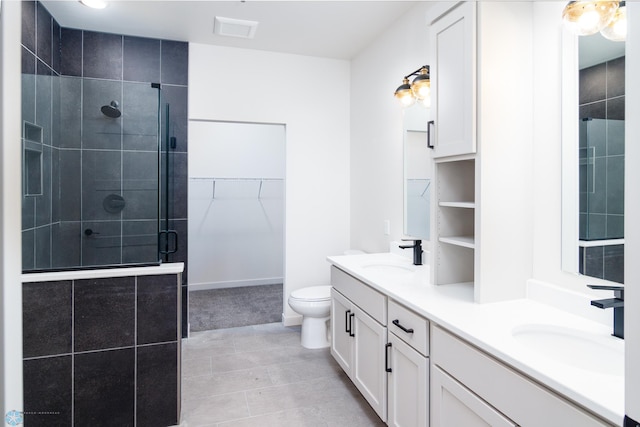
(91,181)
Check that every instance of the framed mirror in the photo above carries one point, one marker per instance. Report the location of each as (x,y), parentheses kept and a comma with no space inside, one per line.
(593,151)
(417,172)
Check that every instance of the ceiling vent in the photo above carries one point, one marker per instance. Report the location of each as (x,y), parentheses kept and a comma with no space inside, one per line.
(234,27)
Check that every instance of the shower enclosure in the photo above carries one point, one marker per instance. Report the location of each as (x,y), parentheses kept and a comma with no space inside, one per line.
(601,179)
(96,162)
(601,232)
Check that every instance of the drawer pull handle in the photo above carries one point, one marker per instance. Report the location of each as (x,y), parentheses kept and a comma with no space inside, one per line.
(386,357)
(347,326)
(351,333)
(397,323)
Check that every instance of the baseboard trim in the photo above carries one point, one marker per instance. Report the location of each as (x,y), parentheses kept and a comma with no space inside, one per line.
(291,320)
(235,284)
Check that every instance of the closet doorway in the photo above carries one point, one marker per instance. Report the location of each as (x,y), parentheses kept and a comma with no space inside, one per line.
(236,223)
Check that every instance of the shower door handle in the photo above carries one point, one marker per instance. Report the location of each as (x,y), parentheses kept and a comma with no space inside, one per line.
(167,234)
(429,124)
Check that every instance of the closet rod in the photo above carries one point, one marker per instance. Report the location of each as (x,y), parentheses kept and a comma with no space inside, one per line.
(213,180)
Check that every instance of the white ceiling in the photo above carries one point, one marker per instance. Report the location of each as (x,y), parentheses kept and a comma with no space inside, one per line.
(333,29)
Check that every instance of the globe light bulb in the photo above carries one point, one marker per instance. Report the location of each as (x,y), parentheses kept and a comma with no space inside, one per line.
(587,17)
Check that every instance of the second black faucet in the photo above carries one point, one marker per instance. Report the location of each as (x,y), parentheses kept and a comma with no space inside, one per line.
(417,250)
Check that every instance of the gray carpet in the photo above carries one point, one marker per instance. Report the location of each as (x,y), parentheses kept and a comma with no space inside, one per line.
(233,307)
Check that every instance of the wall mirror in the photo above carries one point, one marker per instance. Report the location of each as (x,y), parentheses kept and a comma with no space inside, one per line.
(593,157)
(417,172)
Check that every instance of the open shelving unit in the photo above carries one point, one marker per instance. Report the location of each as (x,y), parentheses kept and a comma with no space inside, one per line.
(454,218)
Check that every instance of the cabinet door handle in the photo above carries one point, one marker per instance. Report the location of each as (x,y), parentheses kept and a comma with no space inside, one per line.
(386,357)
(429,124)
(407,330)
(347,326)
(351,316)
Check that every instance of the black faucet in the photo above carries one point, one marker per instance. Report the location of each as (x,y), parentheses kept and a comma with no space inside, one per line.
(617,303)
(417,250)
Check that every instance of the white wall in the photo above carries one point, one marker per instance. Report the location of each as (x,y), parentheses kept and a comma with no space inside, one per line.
(311,97)
(376,129)
(376,137)
(10,215)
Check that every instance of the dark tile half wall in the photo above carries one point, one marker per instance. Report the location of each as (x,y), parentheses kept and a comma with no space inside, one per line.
(102,351)
(67,75)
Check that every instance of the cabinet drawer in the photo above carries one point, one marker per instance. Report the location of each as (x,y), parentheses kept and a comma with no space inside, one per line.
(361,294)
(510,392)
(402,319)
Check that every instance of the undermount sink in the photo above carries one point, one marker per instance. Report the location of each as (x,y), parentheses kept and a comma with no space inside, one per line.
(584,350)
(389,268)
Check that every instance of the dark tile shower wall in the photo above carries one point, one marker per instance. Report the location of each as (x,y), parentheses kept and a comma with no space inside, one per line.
(67,74)
(102,352)
(602,96)
(601,202)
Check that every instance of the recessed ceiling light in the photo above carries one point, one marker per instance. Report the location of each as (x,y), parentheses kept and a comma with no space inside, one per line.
(95,4)
(234,27)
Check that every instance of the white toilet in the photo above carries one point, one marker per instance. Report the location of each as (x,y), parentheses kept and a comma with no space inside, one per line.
(314,304)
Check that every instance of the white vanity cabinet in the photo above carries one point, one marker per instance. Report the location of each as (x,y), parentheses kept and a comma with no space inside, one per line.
(388,363)
(471,388)
(408,350)
(359,336)
(452,404)
(453,71)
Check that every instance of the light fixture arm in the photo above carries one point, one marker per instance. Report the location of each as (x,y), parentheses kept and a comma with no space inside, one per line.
(416,72)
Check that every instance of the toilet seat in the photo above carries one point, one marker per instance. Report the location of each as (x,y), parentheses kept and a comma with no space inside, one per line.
(312,294)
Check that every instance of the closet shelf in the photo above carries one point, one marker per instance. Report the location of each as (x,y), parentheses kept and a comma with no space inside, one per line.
(464,241)
(465,205)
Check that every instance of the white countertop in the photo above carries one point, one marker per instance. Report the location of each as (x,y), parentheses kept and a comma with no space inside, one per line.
(490,326)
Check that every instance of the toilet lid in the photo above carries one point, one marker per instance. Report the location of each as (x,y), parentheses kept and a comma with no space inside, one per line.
(313,293)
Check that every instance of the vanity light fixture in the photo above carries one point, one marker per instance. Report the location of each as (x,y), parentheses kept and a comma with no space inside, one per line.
(420,89)
(586,17)
(616,30)
(94,4)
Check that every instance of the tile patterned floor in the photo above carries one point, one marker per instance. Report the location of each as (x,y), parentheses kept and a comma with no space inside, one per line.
(261,376)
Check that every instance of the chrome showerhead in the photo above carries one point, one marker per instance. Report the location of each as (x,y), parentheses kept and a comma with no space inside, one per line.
(111,110)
